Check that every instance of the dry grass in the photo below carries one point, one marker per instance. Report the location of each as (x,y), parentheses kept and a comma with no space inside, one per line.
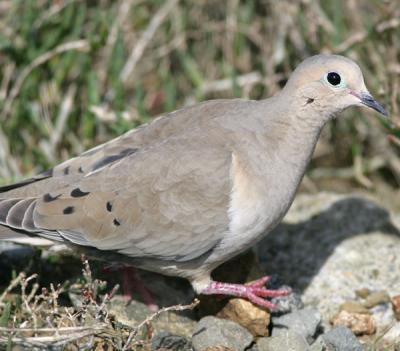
(34,318)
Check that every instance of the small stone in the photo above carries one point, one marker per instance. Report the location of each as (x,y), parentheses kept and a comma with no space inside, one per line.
(353,307)
(376,298)
(211,332)
(287,340)
(288,303)
(341,339)
(359,323)
(165,340)
(304,322)
(392,334)
(255,319)
(383,315)
(396,306)
(363,293)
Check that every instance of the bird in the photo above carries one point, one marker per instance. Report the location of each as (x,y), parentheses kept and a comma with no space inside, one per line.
(193,188)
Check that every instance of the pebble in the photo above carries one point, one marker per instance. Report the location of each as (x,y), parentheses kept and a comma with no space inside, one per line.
(176,323)
(353,307)
(287,340)
(383,315)
(363,293)
(396,306)
(340,339)
(392,334)
(255,319)
(376,298)
(359,323)
(291,302)
(165,340)
(211,332)
(304,322)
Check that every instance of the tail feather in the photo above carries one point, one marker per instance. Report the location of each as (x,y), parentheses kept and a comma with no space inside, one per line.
(12,235)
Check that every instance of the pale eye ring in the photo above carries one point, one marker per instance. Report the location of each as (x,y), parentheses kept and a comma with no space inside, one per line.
(335,80)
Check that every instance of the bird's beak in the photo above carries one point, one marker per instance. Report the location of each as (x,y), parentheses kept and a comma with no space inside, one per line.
(367,100)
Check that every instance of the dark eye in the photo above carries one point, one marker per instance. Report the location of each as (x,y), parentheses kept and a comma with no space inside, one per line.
(333,78)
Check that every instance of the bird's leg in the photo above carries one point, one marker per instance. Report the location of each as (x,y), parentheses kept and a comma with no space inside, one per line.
(132,281)
(254,292)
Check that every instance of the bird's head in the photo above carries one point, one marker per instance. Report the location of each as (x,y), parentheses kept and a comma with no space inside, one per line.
(329,84)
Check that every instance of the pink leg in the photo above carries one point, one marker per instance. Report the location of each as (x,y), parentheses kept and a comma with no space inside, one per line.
(254,292)
(132,281)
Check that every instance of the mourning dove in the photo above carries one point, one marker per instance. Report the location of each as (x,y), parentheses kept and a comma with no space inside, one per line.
(195,187)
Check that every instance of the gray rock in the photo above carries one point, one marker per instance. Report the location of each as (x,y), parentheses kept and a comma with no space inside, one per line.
(212,331)
(165,340)
(304,322)
(383,315)
(291,302)
(341,339)
(176,323)
(285,341)
(318,345)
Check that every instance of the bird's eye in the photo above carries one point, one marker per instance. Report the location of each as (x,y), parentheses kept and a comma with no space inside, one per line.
(334,79)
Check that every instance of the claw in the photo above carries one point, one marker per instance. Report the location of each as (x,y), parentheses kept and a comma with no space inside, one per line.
(254,292)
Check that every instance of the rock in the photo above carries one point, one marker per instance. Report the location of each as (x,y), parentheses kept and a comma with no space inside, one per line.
(211,332)
(376,298)
(383,315)
(359,323)
(318,345)
(327,247)
(392,334)
(285,341)
(255,319)
(304,322)
(176,323)
(291,302)
(340,339)
(363,293)
(396,306)
(165,340)
(353,307)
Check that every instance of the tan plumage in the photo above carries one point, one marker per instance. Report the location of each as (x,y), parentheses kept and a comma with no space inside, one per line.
(193,188)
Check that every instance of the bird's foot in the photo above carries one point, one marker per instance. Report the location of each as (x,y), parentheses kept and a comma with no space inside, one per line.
(254,291)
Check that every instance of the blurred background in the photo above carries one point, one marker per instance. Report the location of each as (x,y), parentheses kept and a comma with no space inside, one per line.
(77,73)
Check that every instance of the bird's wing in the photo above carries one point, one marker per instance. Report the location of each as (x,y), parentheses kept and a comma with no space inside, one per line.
(168,201)
(72,170)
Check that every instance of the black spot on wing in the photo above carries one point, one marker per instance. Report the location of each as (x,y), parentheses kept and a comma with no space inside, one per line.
(116,222)
(69,210)
(80,170)
(79,193)
(109,206)
(110,159)
(66,170)
(49,198)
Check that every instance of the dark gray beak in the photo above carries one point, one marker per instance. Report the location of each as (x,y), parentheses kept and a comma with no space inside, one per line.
(367,100)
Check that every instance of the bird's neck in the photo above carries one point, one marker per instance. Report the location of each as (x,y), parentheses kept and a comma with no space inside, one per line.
(292,133)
